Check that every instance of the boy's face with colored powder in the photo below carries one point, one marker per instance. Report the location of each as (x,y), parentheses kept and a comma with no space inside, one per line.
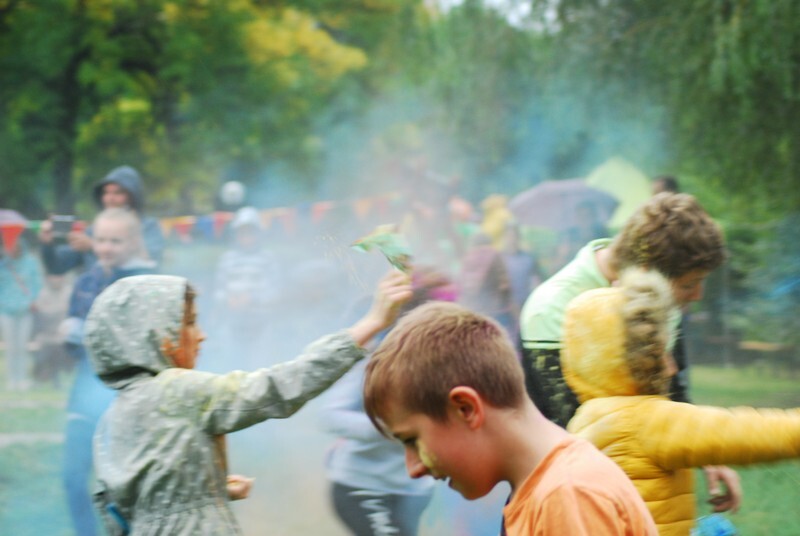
(113,242)
(443,450)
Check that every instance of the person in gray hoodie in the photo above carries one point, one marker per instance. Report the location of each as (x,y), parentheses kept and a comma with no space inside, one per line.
(121,187)
(159,462)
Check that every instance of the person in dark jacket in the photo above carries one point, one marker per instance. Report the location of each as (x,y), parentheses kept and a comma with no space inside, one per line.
(122,187)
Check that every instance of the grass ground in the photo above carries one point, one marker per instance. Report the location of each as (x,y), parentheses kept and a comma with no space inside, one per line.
(771,491)
(286,457)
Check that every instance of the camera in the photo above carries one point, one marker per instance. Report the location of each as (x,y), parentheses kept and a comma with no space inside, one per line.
(62,225)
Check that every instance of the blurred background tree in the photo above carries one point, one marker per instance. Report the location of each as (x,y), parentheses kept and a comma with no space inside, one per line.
(319,97)
(184,90)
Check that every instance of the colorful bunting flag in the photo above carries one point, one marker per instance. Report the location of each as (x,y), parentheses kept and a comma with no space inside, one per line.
(361,207)
(318,210)
(183,227)
(10,233)
(288,218)
(221,219)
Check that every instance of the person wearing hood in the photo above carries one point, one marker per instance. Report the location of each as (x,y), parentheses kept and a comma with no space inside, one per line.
(122,187)
(159,464)
(615,359)
(117,246)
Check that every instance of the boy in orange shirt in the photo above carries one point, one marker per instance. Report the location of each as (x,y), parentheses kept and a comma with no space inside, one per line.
(446,382)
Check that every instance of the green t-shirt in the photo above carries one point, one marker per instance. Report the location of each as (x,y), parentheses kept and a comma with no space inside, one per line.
(542,316)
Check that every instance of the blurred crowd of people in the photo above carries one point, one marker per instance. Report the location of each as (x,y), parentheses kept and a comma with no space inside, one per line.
(256,297)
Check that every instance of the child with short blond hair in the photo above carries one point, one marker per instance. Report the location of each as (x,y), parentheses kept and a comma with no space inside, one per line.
(118,248)
(446,382)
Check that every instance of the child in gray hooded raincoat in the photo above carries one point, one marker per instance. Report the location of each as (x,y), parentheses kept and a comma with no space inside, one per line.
(158,462)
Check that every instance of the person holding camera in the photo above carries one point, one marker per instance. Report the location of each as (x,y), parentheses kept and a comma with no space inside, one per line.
(66,247)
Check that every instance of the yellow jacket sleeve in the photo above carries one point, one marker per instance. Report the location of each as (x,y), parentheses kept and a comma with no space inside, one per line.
(676,435)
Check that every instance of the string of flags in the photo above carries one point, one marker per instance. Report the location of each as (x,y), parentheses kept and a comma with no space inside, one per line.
(213,225)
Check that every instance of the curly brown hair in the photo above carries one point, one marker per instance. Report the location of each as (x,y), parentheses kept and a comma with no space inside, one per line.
(671,233)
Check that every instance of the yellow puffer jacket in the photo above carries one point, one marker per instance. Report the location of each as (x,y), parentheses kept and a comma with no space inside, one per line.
(657,442)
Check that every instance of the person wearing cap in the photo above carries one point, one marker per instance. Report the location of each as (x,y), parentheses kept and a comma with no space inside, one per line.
(122,187)
(247,286)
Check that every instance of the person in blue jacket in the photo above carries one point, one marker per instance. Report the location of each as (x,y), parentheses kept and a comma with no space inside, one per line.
(122,187)
(117,246)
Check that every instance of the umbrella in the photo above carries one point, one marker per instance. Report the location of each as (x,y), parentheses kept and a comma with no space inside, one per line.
(12,224)
(554,204)
(626,183)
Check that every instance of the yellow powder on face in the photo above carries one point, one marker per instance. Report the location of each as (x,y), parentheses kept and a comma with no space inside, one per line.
(427,459)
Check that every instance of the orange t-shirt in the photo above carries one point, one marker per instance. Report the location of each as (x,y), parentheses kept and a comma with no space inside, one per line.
(576,490)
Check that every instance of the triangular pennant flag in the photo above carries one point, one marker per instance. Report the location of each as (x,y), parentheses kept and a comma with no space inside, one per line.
(220,220)
(361,207)
(318,210)
(166,225)
(183,227)
(205,224)
(302,212)
(266,218)
(288,217)
(10,233)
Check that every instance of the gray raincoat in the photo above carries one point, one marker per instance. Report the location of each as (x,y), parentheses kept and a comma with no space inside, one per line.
(158,462)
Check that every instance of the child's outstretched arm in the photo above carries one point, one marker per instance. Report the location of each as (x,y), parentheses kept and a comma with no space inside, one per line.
(393,291)
(236,400)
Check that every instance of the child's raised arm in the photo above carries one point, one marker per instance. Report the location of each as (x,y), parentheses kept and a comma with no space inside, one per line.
(393,291)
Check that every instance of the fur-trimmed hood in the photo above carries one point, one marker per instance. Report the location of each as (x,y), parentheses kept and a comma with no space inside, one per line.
(615,338)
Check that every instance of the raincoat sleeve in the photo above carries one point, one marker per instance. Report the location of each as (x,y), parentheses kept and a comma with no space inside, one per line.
(113,521)
(677,435)
(229,402)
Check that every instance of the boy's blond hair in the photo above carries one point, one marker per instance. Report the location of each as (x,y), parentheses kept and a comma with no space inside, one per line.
(133,223)
(671,233)
(434,348)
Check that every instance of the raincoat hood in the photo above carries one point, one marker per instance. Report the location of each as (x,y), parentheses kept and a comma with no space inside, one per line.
(615,338)
(129,179)
(129,322)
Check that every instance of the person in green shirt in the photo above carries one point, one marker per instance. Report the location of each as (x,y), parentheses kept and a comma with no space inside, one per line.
(671,233)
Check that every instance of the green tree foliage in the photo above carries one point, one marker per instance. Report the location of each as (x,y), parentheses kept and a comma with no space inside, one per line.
(181,89)
(726,75)
(726,72)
